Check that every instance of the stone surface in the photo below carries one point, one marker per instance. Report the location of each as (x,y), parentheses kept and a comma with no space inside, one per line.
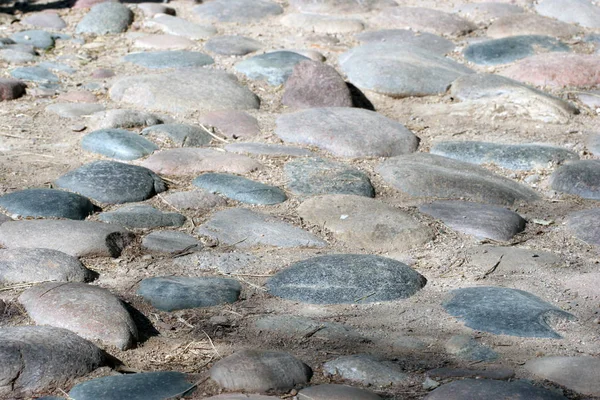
(581,178)
(467,348)
(346,278)
(173,242)
(169,59)
(70,305)
(341,6)
(579,374)
(112,182)
(11,89)
(78,97)
(582,12)
(504,311)
(178,135)
(107,17)
(39,39)
(76,238)
(74,110)
(274,67)
(423,40)
(224,263)
(181,27)
(468,389)
(335,392)
(14,56)
(142,216)
(44,203)
(245,229)
(253,370)
(199,200)
(585,225)
(366,369)
(243,11)
(240,396)
(183,292)
(513,48)
(126,119)
(363,222)
(118,143)
(47,20)
(423,19)
(164,42)
(498,373)
(267,149)
(488,11)
(320,23)
(232,124)
(347,132)
(34,74)
(299,327)
(428,175)
(232,45)
(151,9)
(530,24)
(240,189)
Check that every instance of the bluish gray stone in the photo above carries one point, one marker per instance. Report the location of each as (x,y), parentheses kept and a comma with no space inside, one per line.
(171,242)
(181,135)
(581,178)
(237,10)
(141,216)
(268,149)
(104,18)
(313,176)
(585,225)
(512,48)
(232,45)
(298,327)
(36,38)
(504,311)
(172,293)
(118,143)
(346,278)
(274,67)
(43,203)
(475,389)
(112,182)
(367,370)
(169,59)
(143,386)
(467,348)
(15,56)
(423,40)
(34,74)
(240,188)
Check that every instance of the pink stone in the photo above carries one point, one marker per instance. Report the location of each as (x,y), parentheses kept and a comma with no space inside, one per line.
(11,89)
(78,97)
(232,124)
(164,42)
(45,20)
(102,73)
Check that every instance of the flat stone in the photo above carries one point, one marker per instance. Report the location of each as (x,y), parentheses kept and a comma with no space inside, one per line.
(422,40)
(169,59)
(486,12)
(232,124)
(347,132)
(341,6)
(346,279)
(86,3)
(267,149)
(41,357)
(513,48)
(181,27)
(581,178)
(512,261)
(58,67)
(15,56)
(274,67)
(47,20)
(504,311)
(335,392)
(79,97)
(104,18)
(112,182)
(585,225)
(151,9)
(76,238)
(582,12)
(240,396)
(481,388)
(118,143)
(164,42)
(224,263)
(70,305)
(126,119)
(37,38)
(74,110)
(366,369)
(366,223)
(183,292)
(428,175)
(142,216)
(298,327)
(242,11)
(194,161)
(44,203)
(232,45)
(320,23)
(173,242)
(199,200)
(34,265)
(11,89)
(34,74)
(530,24)
(245,229)
(259,371)
(423,19)
(142,386)
(467,348)
(579,374)
(241,189)
(498,373)
(183,91)
(178,135)
(314,176)
(399,70)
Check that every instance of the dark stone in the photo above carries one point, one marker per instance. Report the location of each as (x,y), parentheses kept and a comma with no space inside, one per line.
(477,389)
(169,59)
(240,189)
(509,49)
(44,203)
(367,370)
(581,178)
(181,135)
(274,67)
(118,143)
(11,89)
(423,40)
(142,216)
(104,18)
(232,45)
(237,10)
(173,242)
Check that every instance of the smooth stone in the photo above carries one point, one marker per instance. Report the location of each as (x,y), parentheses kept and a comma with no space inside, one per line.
(504,311)
(399,70)
(34,74)
(224,263)
(346,279)
(512,261)
(11,89)
(259,371)
(500,373)
(467,348)
(579,374)
(169,59)
(59,67)
(232,45)
(164,42)
(274,67)
(336,392)
(36,38)
(151,9)
(585,225)
(198,200)
(241,11)
(142,216)
(194,161)
(347,132)
(320,23)
(341,6)
(178,135)
(513,48)
(173,242)
(530,24)
(183,91)
(118,143)
(245,229)
(112,182)
(242,396)
(582,12)
(105,18)
(428,175)
(468,389)
(581,178)
(156,385)
(34,265)
(232,124)
(423,40)
(181,27)
(364,222)
(45,20)
(115,119)
(183,292)
(423,19)
(14,56)
(486,12)
(298,327)
(367,370)
(74,110)
(44,203)
(86,3)
(267,149)
(40,357)
(314,176)
(241,189)
(76,238)
(70,305)
(78,97)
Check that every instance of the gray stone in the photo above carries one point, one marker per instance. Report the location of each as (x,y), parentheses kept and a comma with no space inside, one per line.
(482,13)
(240,189)
(367,370)
(422,40)
(104,18)
(232,124)
(274,67)
(126,119)
(341,6)
(581,178)
(157,385)
(34,74)
(504,311)
(428,175)
(45,20)
(179,135)
(76,238)
(34,265)
(475,389)
(582,12)
(336,392)
(267,149)
(40,357)
(14,56)
(118,143)
(142,216)
(242,396)
(313,176)
(346,278)
(585,225)
(198,200)
(467,348)
(422,19)
(181,27)
(173,242)
(319,23)
(259,371)
(498,373)
(245,229)
(172,293)
(299,327)
(225,263)
(579,374)
(59,67)
(39,39)
(112,182)
(70,305)
(74,110)
(44,203)
(232,45)
(169,59)
(509,49)
(243,11)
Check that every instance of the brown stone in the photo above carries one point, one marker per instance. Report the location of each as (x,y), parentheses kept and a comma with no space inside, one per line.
(11,89)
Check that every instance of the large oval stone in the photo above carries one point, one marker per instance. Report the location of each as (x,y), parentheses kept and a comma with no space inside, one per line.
(243,11)
(423,40)
(274,67)
(169,59)
(241,189)
(581,178)
(509,49)
(586,225)
(424,19)
(483,388)
(366,369)
(107,17)
(142,216)
(118,143)
(44,203)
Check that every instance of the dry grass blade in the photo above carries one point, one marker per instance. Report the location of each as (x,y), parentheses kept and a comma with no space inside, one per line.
(212,344)
(213,135)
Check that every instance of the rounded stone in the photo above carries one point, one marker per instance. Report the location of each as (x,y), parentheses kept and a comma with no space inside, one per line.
(142,216)
(423,40)
(48,20)
(36,38)
(46,203)
(336,392)
(173,242)
(34,74)
(240,189)
(11,89)
(424,19)
(232,45)
(582,12)
(581,178)
(118,143)
(243,11)
(179,135)
(274,67)
(579,374)
(586,225)
(367,370)
(509,49)
(169,59)
(104,18)
(472,389)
